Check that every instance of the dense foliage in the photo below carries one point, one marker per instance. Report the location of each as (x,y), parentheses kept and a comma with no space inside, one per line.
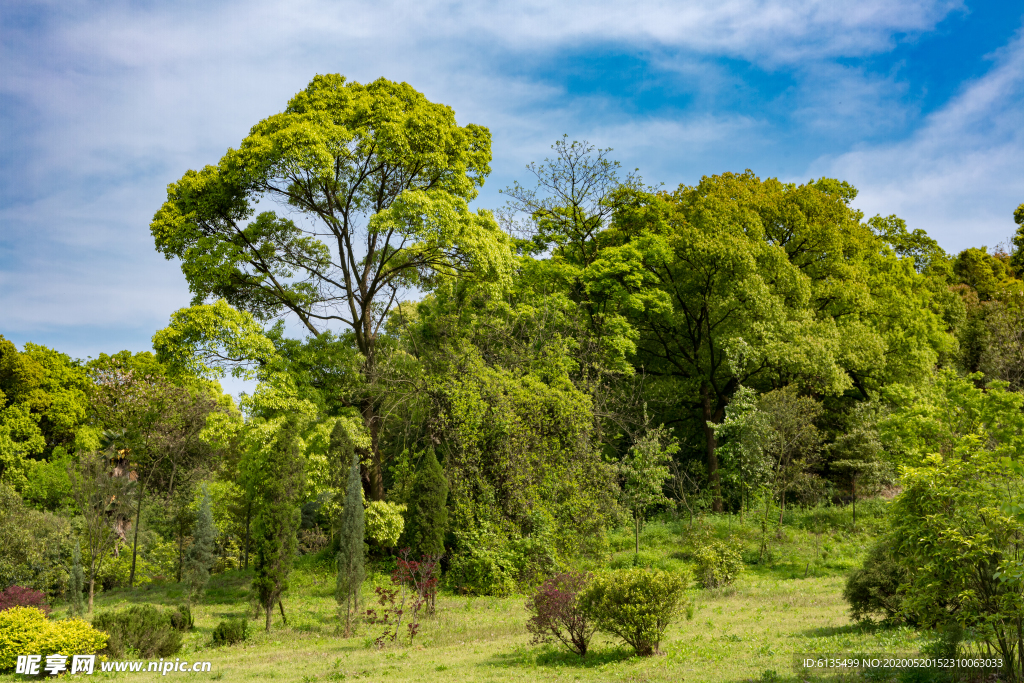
(498,392)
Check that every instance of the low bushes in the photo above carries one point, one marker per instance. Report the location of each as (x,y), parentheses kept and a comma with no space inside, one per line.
(140,627)
(556,613)
(637,605)
(875,588)
(182,620)
(231,631)
(26,630)
(17,596)
(718,563)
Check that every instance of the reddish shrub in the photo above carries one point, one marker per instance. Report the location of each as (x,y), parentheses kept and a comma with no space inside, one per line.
(17,596)
(556,614)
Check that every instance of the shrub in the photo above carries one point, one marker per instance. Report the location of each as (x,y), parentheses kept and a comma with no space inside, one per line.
(384,522)
(26,630)
(231,631)
(18,596)
(181,620)
(874,589)
(556,614)
(718,563)
(483,571)
(636,605)
(139,627)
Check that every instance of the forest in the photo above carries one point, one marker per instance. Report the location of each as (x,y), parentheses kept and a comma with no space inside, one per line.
(597,432)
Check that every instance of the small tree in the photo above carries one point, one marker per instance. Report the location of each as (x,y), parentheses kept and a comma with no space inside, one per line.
(199,559)
(76,580)
(643,473)
(275,477)
(428,514)
(351,551)
(101,497)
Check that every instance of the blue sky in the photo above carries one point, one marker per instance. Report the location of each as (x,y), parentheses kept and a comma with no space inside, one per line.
(102,104)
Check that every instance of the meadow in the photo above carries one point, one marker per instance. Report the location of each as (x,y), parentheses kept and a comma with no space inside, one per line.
(791,602)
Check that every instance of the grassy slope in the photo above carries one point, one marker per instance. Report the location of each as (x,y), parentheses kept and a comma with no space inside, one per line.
(792,604)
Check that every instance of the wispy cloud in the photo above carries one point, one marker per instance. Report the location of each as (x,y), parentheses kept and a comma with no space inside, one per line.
(959,176)
(104,103)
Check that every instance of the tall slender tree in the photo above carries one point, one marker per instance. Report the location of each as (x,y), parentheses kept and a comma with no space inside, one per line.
(275,476)
(351,552)
(428,512)
(199,559)
(76,580)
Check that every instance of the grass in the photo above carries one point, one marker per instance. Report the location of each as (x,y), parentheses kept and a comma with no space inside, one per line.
(788,603)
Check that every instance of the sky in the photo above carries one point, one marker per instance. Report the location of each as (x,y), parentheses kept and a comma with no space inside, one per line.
(917,103)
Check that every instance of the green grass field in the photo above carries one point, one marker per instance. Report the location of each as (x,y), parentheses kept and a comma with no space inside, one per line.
(746,632)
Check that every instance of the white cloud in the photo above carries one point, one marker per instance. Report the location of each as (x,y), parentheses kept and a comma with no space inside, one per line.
(111,101)
(960,175)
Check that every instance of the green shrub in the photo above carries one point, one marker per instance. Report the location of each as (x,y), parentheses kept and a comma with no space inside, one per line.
(483,571)
(231,631)
(139,627)
(26,630)
(718,563)
(637,605)
(384,522)
(490,563)
(181,620)
(874,589)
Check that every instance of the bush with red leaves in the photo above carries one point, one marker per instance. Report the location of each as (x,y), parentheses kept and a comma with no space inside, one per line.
(556,614)
(16,596)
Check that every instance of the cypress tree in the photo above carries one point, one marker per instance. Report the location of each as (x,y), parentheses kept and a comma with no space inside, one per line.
(277,476)
(428,514)
(199,558)
(76,584)
(351,551)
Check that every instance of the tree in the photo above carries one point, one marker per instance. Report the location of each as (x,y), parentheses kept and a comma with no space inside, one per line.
(856,456)
(742,282)
(43,409)
(351,553)
(428,514)
(101,498)
(76,580)
(153,423)
(275,478)
(644,472)
(379,171)
(790,441)
(199,559)
(1017,258)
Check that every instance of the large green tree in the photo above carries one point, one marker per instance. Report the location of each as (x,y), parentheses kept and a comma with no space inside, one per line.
(373,183)
(739,281)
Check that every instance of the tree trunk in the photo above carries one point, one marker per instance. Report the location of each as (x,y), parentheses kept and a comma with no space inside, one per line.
(375,472)
(712,444)
(269,609)
(284,619)
(248,520)
(854,490)
(135,538)
(181,547)
(636,518)
(92,587)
